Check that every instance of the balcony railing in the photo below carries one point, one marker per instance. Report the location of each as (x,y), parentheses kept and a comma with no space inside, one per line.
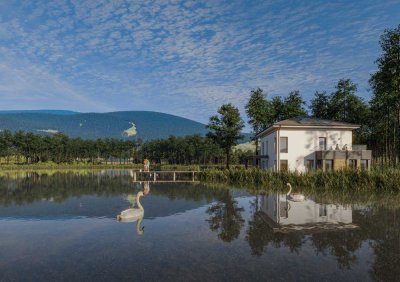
(333,147)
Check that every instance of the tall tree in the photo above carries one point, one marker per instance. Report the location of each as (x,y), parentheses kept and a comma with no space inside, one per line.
(294,105)
(345,105)
(258,111)
(226,129)
(320,105)
(385,103)
(278,109)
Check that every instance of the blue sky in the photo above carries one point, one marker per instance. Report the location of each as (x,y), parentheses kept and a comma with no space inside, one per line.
(182,57)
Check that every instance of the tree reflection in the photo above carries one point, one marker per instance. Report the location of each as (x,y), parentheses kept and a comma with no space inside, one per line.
(226,217)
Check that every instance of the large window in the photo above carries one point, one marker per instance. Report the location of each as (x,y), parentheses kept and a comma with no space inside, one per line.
(310,165)
(328,165)
(266,148)
(284,165)
(322,143)
(364,164)
(262,148)
(352,163)
(319,164)
(283,145)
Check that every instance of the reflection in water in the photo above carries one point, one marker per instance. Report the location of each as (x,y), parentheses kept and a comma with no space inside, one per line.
(133,214)
(226,217)
(283,215)
(280,222)
(74,214)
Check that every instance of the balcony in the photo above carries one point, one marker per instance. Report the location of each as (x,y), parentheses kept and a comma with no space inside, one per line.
(358,152)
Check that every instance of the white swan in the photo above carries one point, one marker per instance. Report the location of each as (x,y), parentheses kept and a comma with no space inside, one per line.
(132,214)
(294,197)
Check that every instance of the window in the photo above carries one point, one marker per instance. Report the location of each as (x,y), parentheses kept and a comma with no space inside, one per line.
(262,148)
(328,165)
(319,164)
(266,148)
(275,144)
(322,143)
(364,164)
(284,165)
(352,163)
(275,168)
(310,165)
(283,145)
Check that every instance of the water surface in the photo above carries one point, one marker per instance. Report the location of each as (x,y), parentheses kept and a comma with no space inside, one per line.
(63,226)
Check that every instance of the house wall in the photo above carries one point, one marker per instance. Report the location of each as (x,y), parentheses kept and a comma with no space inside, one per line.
(302,144)
(269,149)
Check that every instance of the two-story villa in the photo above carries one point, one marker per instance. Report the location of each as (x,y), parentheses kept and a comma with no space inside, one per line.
(304,143)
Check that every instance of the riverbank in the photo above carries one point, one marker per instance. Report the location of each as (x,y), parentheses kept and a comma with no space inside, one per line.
(380,179)
(375,180)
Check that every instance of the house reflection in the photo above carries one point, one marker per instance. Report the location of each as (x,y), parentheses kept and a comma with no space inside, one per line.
(283,215)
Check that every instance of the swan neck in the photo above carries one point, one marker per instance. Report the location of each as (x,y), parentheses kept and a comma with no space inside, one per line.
(139,230)
(290,190)
(138,201)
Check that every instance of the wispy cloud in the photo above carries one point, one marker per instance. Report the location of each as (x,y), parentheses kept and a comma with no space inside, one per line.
(182,57)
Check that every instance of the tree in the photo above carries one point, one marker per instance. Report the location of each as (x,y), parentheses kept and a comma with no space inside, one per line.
(293,105)
(226,129)
(385,103)
(320,105)
(258,111)
(345,105)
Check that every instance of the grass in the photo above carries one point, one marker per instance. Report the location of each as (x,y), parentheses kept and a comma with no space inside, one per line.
(376,180)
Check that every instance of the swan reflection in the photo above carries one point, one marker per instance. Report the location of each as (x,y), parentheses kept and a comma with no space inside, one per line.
(135,214)
(283,214)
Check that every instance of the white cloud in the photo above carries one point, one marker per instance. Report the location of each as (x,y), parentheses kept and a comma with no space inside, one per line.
(180,56)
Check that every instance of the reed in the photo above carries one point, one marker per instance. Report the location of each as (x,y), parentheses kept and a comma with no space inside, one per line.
(376,180)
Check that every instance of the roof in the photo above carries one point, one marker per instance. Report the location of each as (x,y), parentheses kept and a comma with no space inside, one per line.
(305,121)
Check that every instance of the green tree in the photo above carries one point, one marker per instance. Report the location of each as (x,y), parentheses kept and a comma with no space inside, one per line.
(345,105)
(258,111)
(293,105)
(320,105)
(226,129)
(385,103)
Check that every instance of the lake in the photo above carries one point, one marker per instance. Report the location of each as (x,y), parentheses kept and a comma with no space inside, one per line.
(63,226)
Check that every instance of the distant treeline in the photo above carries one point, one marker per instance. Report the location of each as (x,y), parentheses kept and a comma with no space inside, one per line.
(29,148)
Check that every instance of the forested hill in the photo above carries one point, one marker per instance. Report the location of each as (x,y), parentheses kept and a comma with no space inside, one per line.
(119,125)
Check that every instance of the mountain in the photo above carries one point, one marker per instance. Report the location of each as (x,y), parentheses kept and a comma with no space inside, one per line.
(120,125)
(57,112)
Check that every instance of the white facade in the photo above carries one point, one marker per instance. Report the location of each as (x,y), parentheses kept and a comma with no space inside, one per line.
(302,143)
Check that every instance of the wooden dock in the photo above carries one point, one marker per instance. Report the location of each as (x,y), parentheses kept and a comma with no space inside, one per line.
(164,176)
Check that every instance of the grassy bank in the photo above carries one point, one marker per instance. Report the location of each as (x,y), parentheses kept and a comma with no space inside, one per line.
(376,180)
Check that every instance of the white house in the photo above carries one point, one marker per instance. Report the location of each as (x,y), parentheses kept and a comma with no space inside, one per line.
(304,143)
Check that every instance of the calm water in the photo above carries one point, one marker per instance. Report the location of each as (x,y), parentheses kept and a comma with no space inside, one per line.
(64,227)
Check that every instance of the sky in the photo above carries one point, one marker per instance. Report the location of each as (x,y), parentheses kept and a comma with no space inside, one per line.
(183,57)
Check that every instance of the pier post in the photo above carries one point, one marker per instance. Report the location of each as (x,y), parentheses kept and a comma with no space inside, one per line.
(174,176)
(155,176)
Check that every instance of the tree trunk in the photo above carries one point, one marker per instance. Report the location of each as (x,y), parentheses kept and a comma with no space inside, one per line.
(228,158)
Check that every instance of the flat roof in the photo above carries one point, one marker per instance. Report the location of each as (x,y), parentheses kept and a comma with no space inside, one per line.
(305,121)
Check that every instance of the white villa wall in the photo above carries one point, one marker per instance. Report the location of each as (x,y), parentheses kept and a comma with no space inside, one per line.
(302,144)
(268,144)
